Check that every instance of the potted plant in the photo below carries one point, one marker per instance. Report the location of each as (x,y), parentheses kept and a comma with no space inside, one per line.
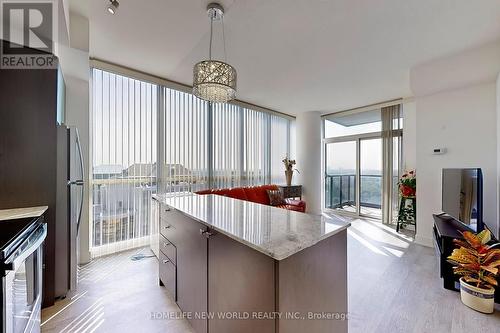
(478,265)
(289,168)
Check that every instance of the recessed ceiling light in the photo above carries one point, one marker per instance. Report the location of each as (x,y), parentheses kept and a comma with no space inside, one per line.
(113,6)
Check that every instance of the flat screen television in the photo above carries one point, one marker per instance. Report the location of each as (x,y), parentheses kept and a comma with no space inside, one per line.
(463,196)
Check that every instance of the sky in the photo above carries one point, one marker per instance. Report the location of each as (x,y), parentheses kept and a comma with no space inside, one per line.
(341,156)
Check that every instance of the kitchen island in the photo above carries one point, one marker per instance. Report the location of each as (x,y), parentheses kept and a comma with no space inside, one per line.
(239,266)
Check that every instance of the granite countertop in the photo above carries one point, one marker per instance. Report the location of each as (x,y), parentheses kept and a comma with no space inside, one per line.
(19,213)
(276,232)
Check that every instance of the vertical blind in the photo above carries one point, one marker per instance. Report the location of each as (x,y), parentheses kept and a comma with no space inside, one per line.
(183,138)
(123,161)
(207,145)
(142,132)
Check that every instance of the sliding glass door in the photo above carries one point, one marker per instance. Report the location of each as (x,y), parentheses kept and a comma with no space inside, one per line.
(340,181)
(353,180)
(370,171)
(362,163)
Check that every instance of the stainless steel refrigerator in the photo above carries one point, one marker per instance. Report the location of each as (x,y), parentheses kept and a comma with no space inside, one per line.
(70,191)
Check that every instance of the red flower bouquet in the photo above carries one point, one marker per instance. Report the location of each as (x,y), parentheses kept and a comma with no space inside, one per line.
(408,184)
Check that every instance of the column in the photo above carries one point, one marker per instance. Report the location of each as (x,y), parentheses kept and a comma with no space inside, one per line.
(309,161)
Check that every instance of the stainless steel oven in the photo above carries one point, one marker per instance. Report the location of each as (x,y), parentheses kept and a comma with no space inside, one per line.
(22,284)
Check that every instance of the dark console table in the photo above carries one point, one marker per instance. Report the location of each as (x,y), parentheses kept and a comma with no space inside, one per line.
(445,230)
(291,191)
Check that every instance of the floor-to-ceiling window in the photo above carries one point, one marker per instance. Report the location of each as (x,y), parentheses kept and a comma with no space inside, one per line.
(207,145)
(148,137)
(124,154)
(362,152)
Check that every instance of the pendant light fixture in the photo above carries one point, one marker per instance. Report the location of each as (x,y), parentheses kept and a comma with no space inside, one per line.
(214,80)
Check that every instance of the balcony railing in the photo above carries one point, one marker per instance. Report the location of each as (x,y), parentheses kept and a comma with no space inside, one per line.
(340,191)
(121,213)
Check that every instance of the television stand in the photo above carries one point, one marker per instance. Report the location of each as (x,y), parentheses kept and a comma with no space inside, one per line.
(446,229)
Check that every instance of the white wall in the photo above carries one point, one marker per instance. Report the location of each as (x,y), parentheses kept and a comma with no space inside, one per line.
(464,122)
(74,61)
(455,101)
(409,135)
(498,151)
(308,148)
(471,67)
(77,113)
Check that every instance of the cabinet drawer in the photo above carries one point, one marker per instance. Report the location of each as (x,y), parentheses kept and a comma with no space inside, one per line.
(164,210)
(167,273)
(172,224)
(168,249)
(167,229)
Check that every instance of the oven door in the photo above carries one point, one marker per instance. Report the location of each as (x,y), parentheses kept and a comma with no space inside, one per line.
(22,287)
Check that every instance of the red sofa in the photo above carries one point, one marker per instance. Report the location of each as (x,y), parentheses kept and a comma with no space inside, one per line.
(257,194)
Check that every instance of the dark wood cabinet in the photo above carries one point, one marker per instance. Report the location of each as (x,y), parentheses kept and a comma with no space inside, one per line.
(231,284)
(240,280)
(28,152)
(291,191)
(217,276)
(167,272)
(168,249)
(190,245)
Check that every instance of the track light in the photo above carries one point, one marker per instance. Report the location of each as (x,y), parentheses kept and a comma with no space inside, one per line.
(113,6)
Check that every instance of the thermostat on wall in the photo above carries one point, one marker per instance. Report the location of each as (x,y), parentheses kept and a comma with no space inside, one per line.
(439,151)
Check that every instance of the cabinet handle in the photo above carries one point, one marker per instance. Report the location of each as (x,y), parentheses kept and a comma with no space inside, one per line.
(166,261)
(167,226)
(166,244)
(206,233)
(167,209)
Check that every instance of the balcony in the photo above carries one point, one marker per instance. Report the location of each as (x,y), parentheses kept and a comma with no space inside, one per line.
(340,193)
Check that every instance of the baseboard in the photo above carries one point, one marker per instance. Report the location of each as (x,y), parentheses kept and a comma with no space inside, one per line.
(425,241)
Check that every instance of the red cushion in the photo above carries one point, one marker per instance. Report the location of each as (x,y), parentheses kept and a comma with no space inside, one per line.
(237,193)
(258,194)
(204,192)
(221,191)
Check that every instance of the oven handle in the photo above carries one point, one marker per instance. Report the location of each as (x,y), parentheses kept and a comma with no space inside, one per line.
(14,264)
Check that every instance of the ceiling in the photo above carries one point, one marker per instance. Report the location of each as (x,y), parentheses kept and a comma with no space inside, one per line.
(294,55)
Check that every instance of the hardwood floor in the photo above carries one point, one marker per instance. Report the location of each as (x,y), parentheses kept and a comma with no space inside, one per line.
(116,294)
(393,287)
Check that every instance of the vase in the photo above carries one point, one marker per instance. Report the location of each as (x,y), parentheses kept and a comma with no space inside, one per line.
(288,175)
(479,299)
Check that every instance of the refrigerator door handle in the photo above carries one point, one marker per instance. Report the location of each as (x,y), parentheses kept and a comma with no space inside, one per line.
(80,211)
(76,182)
(80,181)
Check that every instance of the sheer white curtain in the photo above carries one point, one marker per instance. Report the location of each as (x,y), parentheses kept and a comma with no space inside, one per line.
(391,150)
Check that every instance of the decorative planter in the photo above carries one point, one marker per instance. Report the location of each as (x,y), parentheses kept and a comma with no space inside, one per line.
(479,299)
(289,175)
